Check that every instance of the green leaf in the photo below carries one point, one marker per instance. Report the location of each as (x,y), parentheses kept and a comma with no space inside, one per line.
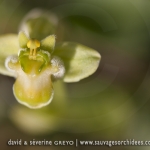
(8,46)
(80,61)
(48,43)
(23,39)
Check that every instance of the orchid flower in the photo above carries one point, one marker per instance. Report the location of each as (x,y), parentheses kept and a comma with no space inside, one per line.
(36,64)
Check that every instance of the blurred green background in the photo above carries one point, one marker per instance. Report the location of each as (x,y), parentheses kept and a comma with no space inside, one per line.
(113,103)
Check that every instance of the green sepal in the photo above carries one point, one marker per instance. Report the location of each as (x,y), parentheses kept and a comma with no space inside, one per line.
(39,23)
(80,61)
(8,46)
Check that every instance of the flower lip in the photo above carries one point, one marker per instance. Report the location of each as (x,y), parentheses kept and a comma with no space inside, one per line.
(33,92)
(40,105)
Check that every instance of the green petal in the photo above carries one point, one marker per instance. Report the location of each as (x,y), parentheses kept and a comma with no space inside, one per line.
(23,39)
(8,46)
(48,43)
(80,61)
